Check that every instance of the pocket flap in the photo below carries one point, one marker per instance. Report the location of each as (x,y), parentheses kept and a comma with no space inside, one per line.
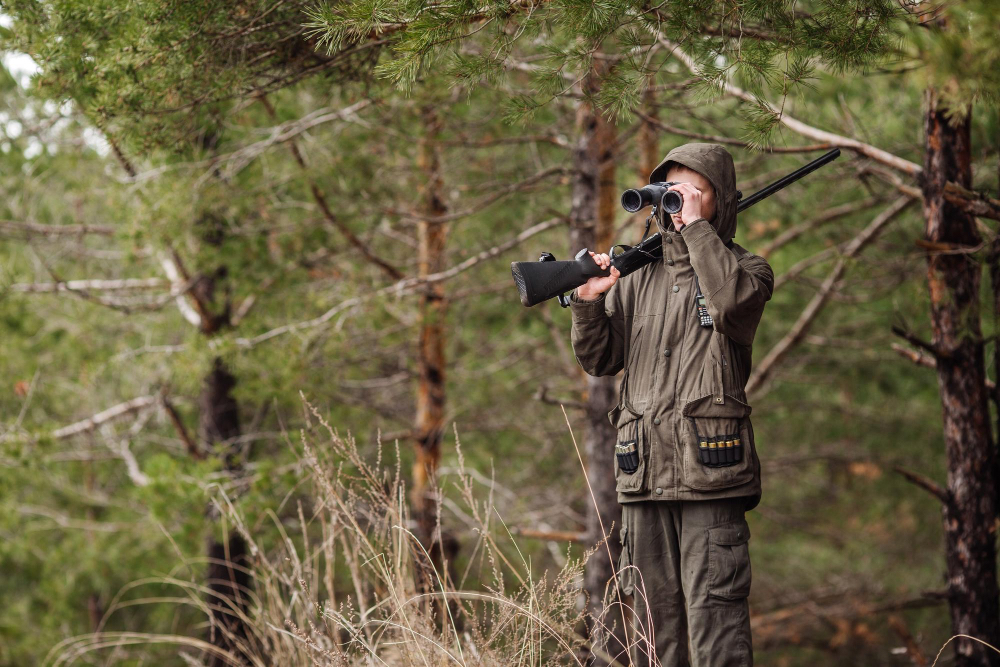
(730,535)
(707,407)
(622,414)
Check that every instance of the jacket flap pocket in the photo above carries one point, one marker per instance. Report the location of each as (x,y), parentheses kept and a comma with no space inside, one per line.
(622,414)
(729,535)
(707,407)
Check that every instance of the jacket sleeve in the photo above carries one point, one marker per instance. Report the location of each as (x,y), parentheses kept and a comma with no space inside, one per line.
(735,289)
(599,332)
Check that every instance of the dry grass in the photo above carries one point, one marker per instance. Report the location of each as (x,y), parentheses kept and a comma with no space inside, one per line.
(358,526)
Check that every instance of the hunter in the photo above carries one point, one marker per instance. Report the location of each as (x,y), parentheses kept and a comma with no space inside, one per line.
(686,466)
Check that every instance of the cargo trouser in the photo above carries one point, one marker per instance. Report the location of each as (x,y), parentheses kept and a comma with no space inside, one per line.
(687,566)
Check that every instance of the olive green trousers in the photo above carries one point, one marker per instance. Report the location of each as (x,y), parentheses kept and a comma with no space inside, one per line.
(686,565)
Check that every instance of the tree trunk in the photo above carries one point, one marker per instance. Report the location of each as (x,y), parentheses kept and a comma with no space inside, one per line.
(970,499)
(429,427)
(219,422)
(594,202)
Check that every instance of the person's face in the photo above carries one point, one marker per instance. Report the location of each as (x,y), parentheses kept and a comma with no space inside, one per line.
(681,174)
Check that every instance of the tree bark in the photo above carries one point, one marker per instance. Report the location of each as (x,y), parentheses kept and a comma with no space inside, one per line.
(429,426)
(219,422)
(594,202)
(970,508)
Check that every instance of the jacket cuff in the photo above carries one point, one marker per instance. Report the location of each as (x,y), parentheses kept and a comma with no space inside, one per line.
(587,309)
(697,229)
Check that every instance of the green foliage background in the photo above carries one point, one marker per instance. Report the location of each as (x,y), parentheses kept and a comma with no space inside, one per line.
(175,87)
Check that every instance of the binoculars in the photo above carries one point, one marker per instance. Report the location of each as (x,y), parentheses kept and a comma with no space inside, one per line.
(655,194)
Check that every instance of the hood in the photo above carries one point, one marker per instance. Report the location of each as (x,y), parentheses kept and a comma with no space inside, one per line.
(715,163)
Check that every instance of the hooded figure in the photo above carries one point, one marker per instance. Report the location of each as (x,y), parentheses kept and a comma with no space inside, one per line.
(716,164)
(685,458)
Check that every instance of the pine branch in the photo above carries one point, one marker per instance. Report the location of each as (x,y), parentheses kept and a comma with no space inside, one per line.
(877,154)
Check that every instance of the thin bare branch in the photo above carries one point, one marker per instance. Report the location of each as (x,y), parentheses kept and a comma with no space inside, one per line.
(105,416)
(804,129)
(926,484)
(328,213)
(655,122)
(28,229)
(824,217)
(812,310)
(95,285)
(492,198)
(916,341)
(402,286)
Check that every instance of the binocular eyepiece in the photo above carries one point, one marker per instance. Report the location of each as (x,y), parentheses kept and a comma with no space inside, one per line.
(656,194)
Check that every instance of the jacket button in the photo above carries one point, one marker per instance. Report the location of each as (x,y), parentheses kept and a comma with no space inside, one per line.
(670,262)
(677,288)
(657,421)
(666,352)
(659,491)
(670,239)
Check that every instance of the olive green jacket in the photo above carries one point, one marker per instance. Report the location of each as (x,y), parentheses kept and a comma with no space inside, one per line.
(682,381)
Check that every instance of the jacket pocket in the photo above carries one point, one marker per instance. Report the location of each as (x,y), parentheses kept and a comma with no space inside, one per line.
(626,569)
(630,448)
(729,573)
(715,443)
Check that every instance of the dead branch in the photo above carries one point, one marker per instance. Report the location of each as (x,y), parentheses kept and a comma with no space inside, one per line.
(175,419)
(919,358)
(824,217)
(916,341)
(486,201)
(176,275)
(494,251)
(120,447)
(796,269)
(127,284)
(657,123)
(285,132)
(973,203)
(928,361)
(816,134)
(403,286)
(489,142)
(28,229)
(927,484)
(324,206)
(812,310)
(105,416)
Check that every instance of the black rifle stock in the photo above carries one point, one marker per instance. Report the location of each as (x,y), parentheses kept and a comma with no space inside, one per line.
(540,281)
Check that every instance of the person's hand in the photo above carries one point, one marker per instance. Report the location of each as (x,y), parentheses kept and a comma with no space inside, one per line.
(591,290)
(691,207)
